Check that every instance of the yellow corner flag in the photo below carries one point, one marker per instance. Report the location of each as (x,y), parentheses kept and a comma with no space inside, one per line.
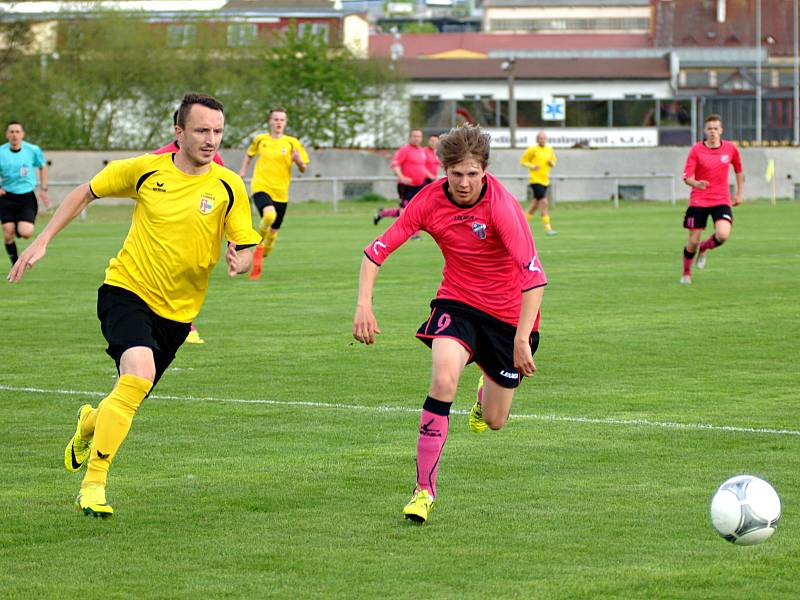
(770,170)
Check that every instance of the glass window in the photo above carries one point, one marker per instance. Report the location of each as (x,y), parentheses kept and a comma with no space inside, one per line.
(242,34)
(315,29)
(786,79)
(587,113)
(675,113)
(634,113)
(529,114)
(181,36)
(481,111)
(696,78)
(431,113)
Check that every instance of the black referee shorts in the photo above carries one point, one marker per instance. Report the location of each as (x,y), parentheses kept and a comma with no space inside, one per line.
(18,207)
(126,322)
(489,341)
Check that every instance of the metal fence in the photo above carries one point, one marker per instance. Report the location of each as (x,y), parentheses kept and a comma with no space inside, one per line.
(563,188)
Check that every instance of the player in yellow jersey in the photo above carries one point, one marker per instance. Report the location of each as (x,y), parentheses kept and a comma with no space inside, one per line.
(540,159)
(272,175)
(184,205)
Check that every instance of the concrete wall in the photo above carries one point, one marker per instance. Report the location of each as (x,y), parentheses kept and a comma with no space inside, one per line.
(71,168)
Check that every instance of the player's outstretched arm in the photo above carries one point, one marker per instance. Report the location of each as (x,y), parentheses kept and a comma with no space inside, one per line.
(77,200)
(365,325)
(245,165)
(523,357)
(737,197)
(238,261)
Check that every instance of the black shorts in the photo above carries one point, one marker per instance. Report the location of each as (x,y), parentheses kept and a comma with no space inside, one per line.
(489,341)
(18,207)
(126,321)
(696,217)
(262,200)
(537,191)
(407,192)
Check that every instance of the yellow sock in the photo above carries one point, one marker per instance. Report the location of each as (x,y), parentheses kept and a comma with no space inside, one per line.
(269,241)
(546,221)
(113,421)
(87,426)
(267,219)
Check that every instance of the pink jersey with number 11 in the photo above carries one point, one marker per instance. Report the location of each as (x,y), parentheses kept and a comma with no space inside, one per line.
(489,255)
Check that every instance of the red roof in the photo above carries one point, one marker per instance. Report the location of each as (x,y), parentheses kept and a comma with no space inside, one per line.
(690,23)
(425,44)
(552,68)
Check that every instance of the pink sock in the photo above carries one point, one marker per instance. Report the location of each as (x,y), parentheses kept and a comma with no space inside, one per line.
(389,212)
(709,244)
(687,261)
(432,436)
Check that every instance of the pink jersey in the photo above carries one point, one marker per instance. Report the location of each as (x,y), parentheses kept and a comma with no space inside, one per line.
(431,161)
(411,160)
(488,249)
(173,147)
(712,165)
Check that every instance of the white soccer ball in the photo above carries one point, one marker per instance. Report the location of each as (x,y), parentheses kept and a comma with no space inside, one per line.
(745,510)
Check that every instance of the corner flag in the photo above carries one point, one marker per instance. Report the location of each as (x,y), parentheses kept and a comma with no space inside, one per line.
(770,170)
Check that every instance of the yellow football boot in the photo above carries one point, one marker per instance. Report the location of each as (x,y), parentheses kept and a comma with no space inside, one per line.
(476,422)
(419,507)
(77,451)
(91,501)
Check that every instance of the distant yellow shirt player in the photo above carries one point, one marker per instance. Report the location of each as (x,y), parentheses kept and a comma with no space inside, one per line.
(275,153)
(540,159)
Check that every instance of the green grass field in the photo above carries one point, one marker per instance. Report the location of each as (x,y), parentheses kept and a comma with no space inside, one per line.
(274,460)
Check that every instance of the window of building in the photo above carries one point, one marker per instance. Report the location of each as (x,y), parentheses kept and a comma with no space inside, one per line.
(478,111)
(562,24)
(321,29)
(432,113)
(633,113)
(181,36)
(242,34)
(695,79)
(675,113)
(587,113)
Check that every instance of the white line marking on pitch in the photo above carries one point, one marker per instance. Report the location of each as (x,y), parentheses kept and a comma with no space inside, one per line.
(404,409)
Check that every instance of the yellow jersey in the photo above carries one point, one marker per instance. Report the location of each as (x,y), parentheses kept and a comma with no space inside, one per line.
(273,171)
(176,232)
(539,155)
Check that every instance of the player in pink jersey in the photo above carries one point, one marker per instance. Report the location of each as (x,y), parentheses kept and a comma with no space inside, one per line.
(173,146)
(706,172)
(410,165)
(431,160)
(487,307)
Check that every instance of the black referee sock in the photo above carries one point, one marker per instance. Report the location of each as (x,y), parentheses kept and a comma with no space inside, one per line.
(12,252)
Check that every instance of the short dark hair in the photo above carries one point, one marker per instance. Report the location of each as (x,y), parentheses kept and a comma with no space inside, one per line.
(712,117)
(461,143)
(192,98)
(10,123)
(275,109)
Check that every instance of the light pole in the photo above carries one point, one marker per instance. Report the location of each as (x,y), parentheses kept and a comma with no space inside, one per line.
(758,72)
(796,78)
(508,67)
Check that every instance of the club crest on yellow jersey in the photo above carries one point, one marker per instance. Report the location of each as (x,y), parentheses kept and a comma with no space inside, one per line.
(206,203)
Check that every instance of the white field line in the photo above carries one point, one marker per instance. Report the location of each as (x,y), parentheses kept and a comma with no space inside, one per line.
(403,409)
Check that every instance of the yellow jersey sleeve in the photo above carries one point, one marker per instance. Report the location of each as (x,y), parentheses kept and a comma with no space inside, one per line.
(119,178)
(252,149)
(239,222)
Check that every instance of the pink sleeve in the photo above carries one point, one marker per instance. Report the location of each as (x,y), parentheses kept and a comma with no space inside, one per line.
(691,164)
(403,228)
(516,235)
(218,160)
(399,158)
(737,160)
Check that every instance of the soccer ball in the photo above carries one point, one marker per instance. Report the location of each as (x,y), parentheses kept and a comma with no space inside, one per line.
(745,510)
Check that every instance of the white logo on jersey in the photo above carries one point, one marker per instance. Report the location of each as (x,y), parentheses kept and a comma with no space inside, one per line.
(532,267)
(376,244)
(725,158)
